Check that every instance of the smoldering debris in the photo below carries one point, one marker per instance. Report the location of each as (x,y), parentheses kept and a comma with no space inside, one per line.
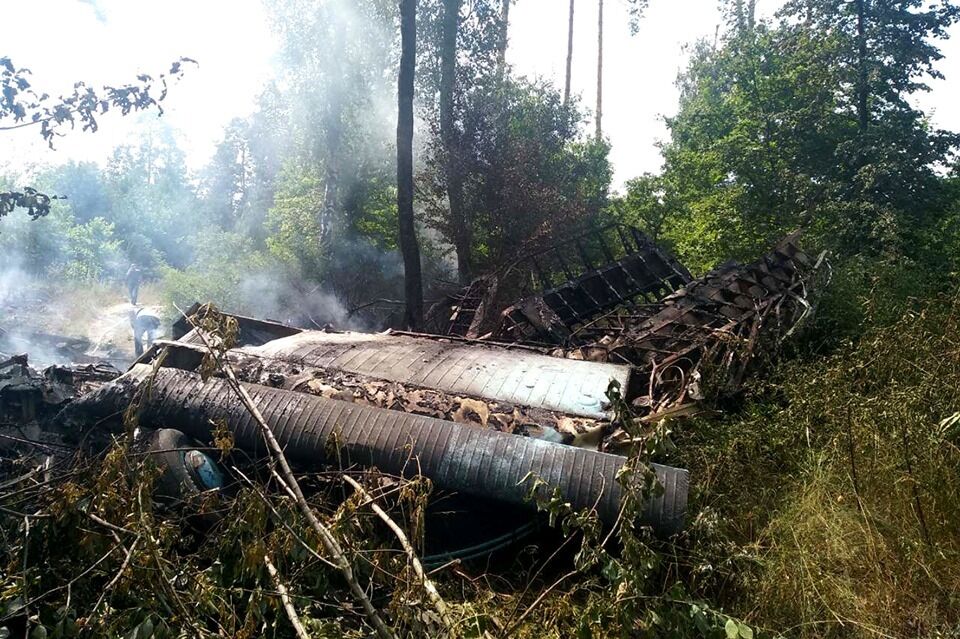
(36,317)
(36,395)
(684,338)
(30,400)
(46,348)
(479,419)
(529,395)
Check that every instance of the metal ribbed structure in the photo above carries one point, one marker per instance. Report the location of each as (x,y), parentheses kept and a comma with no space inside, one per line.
(465,459)
(514,376)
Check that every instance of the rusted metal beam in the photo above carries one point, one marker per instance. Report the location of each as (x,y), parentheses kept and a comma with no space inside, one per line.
(714,322)
(595,281)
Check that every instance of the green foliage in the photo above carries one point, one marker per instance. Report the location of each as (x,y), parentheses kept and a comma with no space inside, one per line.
(824,500)
(35,203)
(642,205)
(371,206)
(150,195)
(338,77)
(294,227)
(87,186)
(830,486)
(38,248)
(150,572)
(238,184)
(770,135)
(222,262)
(92,250)
(130,211)
(529,172)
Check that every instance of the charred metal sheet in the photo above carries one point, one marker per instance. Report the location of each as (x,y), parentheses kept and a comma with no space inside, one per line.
(575,280)
(514,376)
(252,331)
(314,430)
(642,271)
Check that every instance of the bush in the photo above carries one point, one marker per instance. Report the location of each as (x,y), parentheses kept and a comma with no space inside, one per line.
(94,253)
(221,262)
(836,482)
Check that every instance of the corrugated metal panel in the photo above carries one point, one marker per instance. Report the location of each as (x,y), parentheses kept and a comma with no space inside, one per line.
(513,376)
(473,461)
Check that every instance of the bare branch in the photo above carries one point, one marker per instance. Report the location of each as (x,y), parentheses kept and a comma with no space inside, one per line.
(285,598)
(428,585)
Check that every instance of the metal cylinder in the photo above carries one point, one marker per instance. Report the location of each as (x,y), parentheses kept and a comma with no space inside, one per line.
(457,457)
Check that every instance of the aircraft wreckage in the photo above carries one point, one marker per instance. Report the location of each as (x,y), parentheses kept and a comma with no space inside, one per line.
(510,384)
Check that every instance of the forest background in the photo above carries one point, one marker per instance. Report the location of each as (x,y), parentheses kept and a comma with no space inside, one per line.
(804,120)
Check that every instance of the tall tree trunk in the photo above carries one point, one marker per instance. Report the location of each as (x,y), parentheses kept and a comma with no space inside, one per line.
(413,286)
(505,27)
(332,154)
(863,90)
(566,86)
(600,71)
(448,134)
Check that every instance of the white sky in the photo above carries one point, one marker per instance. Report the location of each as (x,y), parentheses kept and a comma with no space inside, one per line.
(66,40)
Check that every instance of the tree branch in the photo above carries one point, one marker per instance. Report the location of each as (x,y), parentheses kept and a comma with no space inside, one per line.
(285,598)
(276,452)
(428,585)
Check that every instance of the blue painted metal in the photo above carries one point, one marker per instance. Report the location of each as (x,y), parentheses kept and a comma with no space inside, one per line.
(205,468)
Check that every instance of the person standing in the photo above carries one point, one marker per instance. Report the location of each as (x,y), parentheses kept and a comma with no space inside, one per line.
(134,275)
(146,329)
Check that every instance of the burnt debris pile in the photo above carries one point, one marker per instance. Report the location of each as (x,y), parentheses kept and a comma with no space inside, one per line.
(31,434)
(683,338)
(477,419)
(31,397)
(509,397)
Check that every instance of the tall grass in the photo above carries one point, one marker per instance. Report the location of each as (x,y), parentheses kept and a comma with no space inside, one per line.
(837,481)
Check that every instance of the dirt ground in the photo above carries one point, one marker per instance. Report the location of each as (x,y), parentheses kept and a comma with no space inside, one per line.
(40,318)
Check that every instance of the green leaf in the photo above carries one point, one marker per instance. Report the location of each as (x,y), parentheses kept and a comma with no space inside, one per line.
(732,630)
(745,631)
(145,631)
(700,620)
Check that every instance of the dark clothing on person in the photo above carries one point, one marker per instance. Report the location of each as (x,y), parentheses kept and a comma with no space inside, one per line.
(134,275)
(146,328)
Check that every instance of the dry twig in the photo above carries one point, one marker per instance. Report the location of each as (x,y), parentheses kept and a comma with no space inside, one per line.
(290,481)
(285,598)
(428,584)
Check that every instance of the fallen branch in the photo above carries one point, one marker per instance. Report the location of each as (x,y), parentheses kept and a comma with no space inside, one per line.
(280,520)
(428,584)
(116,577)
(290,481)
(285,598)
